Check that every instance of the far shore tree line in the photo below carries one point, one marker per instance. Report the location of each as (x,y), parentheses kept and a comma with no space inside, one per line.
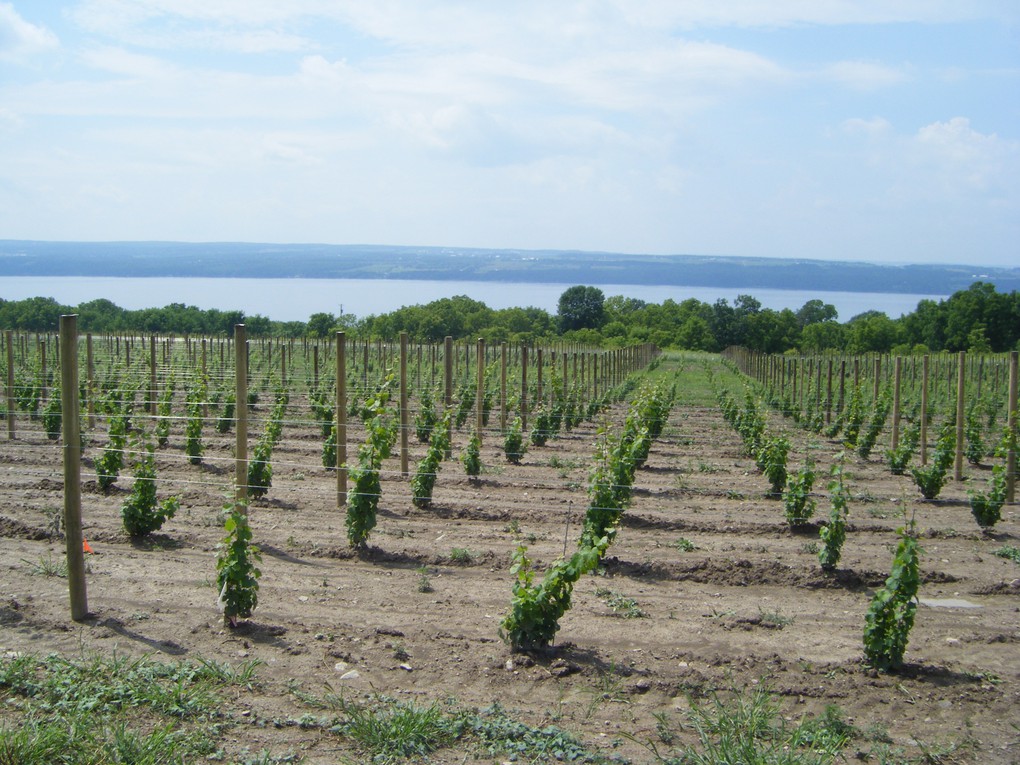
(978,320)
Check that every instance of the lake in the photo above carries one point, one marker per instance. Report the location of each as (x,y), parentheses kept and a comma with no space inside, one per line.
(297,299)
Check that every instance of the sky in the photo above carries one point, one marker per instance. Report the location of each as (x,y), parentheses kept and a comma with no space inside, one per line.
(876,130)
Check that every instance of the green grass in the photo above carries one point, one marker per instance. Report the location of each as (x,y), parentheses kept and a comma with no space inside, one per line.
(684,545)
(100,710)
(621,605)
(749,728)
(48,566)
(389,731)
(1009,552)
(461,555)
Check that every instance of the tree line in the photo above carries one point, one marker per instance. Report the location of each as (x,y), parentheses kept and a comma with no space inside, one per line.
(977,319)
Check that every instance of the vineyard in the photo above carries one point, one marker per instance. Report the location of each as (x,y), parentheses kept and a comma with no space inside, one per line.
(504,553)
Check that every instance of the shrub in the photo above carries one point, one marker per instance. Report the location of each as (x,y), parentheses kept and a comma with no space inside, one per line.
(513,442)
(163,410)
(931,479)
(426,418)
(424,480)
(227,414)
(866,442)
(833,535)
(797,499)
(899,457)
(112,459)
(363,501)
(471,457)
(986,507)
(51,418)
(237,575)
(542,428)
(142,513)
(975,448)
(772,461)
(536,609)
(193,446)
(890,616)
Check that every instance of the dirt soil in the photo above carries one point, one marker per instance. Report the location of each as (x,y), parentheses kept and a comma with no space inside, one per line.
(748,606)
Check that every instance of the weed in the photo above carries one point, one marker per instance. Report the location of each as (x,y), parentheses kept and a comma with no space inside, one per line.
(684,545)
(1009,552)
(48,566)
(461,555)
(621,605)
(749,728)
(774,619)
(393,731)
(424,582)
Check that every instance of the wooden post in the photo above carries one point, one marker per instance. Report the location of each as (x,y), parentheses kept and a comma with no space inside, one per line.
(480,389)
(502,387)
(961,377)
(524,388)
(11,403)
(828,396)
(1011,423)
(315,366)
(897,376)
(241,420)
(405,421)
(205,375)
(152,375)
(71,424)
(90,382)
(341,419)
(448,372)
(925,369)
(539,376)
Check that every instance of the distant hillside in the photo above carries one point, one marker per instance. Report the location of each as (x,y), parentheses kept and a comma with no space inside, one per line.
(319,261)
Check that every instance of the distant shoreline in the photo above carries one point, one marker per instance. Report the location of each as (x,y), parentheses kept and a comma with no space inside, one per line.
(317,261)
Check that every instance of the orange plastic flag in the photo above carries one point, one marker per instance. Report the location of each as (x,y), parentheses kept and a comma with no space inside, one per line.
(85,546)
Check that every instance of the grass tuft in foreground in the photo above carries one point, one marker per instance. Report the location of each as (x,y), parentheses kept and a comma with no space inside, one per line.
(100,709)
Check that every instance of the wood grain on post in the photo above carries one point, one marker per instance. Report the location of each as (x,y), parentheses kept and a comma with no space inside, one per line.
(502,387)
(1011,423)
(341,419)
(405,421)
(448,372)
(480,389)
(90,383)
(897,376)
(241,417)
(152,375)
(524,388)
(9,341)
(925,370)
(71,424)
(961,377)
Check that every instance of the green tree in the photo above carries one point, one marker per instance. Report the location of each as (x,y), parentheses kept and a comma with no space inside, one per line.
(581,307)
(321,324)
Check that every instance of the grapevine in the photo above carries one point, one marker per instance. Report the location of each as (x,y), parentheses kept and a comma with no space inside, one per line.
(890,616)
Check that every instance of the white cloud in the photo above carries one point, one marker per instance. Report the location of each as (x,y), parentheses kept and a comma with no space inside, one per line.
(965,159)
(19,38)
(783,13)
(243,27)
(120,61)
(863,75)
(876,126)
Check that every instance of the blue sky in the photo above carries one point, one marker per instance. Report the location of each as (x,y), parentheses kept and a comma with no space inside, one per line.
(879,130)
